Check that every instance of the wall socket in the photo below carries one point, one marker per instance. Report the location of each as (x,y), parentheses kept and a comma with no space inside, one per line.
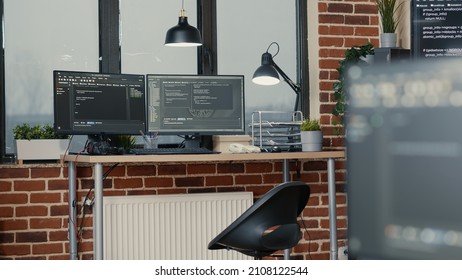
(343,253)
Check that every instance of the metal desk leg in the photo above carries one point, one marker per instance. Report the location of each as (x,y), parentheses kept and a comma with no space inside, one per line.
(286,170)
(286,178)
(332,208)
(72,227)
(98,213)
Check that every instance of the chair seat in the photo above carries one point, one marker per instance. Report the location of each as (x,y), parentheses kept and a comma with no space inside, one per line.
(269,225)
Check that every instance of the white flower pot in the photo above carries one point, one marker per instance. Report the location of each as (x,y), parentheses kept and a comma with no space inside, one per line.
(41,149)
(311,141)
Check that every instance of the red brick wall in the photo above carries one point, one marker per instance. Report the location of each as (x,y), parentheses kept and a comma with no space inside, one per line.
(33,199)
(33,221)
(342,25)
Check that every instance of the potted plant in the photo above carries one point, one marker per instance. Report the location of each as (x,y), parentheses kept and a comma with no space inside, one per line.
(389,22)
(311,135)
(38,142)
(124,143)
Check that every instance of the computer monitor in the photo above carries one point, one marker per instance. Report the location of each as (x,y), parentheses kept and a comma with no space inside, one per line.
(191,105)
(87,103)
(404,152)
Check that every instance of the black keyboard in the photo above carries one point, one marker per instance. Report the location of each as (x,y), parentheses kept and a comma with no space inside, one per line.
(170,151)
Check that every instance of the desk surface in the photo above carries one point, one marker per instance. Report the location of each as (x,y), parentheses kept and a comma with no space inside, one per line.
(202,157)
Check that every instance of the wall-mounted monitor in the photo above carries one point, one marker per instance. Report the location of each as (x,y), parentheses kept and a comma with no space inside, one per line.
(436,28)
(195,104)
(87,103)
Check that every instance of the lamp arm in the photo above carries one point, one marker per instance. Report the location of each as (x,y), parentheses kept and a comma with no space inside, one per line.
(295,87)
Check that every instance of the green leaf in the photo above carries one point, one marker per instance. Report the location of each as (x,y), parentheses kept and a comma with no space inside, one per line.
(25,131)
(352,56)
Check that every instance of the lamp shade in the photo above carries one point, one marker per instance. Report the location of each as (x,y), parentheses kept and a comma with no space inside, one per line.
(183,35)
(266,74)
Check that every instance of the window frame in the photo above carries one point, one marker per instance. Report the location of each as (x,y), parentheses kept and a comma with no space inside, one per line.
(4,157)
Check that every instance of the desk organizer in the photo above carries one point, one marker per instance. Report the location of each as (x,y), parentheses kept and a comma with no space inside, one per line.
(270,129)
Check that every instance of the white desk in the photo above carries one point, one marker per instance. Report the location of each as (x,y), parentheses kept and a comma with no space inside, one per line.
(98,161)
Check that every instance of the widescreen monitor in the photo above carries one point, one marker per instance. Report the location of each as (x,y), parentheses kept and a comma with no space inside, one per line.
(195,104)
(435,28)
(87,103)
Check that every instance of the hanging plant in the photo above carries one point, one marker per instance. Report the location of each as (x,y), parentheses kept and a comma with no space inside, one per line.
(353,56)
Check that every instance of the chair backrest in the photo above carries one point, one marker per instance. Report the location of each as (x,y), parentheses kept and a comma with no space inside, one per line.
(270,224)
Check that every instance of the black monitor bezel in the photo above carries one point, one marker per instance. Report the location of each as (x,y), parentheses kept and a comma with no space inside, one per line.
(204,132)
(72,131)
(419,44)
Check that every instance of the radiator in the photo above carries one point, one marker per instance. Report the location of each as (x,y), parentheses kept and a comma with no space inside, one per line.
(170,227)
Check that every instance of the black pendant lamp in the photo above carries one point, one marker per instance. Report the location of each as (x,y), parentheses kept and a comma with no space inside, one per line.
(183,34)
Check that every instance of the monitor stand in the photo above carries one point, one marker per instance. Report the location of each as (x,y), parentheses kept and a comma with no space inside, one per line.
(99,144)
(192,141)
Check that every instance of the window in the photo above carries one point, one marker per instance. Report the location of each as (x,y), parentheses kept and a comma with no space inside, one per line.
(236,48)
(143,25)
(67,35)
(245,29)
(45,36)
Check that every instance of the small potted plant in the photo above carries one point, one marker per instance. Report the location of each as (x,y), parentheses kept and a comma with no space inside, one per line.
(124,143)
(311,135)
(38,142)
(389,22)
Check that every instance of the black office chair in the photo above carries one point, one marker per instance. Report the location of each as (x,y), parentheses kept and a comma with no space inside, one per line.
(270,224)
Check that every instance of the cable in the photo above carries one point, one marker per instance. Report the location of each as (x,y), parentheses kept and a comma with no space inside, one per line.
(69,145)
(273,43)
(84,204)
(309,237)
(82,209)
